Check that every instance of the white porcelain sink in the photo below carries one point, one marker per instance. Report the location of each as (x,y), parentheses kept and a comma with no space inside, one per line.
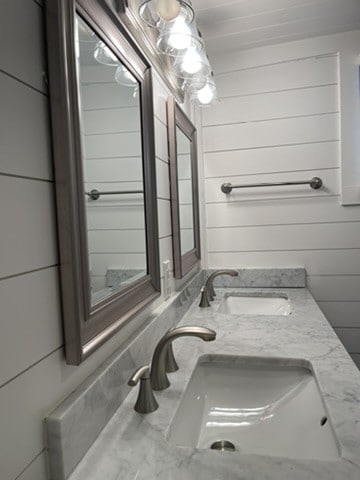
(262,406)
(245,304)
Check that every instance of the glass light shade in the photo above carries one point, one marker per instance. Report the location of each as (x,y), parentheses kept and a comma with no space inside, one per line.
(206,95)
(193,65)
(177,37)
(124,77)
(104,55)
(157,13)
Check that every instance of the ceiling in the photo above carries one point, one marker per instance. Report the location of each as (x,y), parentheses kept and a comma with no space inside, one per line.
(228,25)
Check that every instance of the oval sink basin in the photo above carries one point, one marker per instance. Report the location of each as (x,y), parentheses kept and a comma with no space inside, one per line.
(238,304)
(252,405)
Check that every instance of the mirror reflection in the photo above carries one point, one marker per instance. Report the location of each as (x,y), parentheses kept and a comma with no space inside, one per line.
(186,213)
(112,166)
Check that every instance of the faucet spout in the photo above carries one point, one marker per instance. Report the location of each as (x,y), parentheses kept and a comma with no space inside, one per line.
(210,281)
(208,292)
(159,379)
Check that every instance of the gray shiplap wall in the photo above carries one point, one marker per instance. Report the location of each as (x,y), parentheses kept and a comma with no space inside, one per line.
(278,120)
(34,377)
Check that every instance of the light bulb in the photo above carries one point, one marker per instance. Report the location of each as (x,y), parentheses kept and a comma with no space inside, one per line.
(180,35)
(205,95)
(167,9)
(191,62)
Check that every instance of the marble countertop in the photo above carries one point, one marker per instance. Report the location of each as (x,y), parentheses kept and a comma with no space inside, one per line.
(134,446)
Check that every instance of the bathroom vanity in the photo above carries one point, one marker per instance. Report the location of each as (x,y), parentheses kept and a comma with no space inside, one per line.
(317,437)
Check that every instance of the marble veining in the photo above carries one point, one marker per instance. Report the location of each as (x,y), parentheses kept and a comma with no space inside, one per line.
(74,425)
(263,278)
(134,446)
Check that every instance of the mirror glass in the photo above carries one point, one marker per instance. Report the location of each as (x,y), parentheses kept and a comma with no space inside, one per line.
(185,199)
(110,124)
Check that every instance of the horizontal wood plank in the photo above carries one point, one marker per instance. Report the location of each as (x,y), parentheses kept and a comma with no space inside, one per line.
(267,106)
(342,314)
(115,217)
(37,470)
(113,145)
(271,160)
(335,288)
(279,76)
(115,120)
(117,241)
(350,337)
(316,262)
(100,96)
(272,133)
(25,58)
(24,117)
(28,228)
(277,212)
(285,237)
(33,326)
(114,169)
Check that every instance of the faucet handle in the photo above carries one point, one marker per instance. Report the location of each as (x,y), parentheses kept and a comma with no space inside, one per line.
(204,300)
(146,401)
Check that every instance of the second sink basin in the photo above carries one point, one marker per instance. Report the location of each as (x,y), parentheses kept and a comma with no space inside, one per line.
(264,406)
(246,304)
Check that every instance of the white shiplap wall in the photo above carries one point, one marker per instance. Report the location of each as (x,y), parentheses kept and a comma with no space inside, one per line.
(278,120)
(34,377)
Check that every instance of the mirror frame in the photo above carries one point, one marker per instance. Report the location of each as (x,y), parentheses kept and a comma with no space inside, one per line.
(87,327)
(177,118)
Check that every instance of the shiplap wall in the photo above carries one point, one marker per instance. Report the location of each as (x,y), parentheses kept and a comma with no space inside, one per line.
(34,377)
(278,120)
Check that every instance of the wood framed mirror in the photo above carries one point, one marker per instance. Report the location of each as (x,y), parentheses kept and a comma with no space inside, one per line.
(103,140)
(182,139)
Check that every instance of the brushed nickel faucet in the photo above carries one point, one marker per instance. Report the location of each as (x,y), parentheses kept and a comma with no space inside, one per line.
(159,379)
(208,292)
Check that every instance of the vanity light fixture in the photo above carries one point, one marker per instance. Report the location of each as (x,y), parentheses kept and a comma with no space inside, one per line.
(180,39)
(157,13)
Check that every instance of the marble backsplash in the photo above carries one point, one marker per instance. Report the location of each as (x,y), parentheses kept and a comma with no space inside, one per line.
(263,278)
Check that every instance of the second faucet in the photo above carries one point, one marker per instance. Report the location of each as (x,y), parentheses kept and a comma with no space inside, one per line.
(208,292)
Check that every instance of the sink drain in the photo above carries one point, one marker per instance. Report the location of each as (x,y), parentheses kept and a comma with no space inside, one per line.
(223,446)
